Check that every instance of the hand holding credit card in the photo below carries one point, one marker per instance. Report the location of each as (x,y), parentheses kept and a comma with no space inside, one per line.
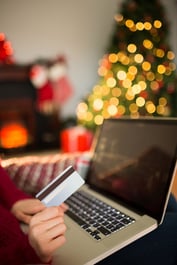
(62,187)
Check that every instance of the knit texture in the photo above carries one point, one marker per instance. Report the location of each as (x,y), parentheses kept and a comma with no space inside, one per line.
(14,246)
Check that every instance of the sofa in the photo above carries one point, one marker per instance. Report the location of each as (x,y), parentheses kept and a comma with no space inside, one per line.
(33,172)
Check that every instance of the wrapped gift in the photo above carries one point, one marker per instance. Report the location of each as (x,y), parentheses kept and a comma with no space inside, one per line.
(75,139)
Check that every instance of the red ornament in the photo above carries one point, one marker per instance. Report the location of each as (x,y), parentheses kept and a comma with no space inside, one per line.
(6,51)
(144,94)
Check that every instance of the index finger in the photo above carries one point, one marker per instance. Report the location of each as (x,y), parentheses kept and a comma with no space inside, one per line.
(46,214)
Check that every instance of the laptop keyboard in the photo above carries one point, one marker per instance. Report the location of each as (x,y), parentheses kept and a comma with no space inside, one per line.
(94,216)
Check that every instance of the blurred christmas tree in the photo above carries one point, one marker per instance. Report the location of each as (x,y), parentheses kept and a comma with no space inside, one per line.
(6,51)
(137,75)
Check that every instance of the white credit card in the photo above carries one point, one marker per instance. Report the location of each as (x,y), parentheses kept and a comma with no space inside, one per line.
(61,188)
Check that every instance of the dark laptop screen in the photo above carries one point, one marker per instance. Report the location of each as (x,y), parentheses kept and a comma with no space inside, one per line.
(134,159)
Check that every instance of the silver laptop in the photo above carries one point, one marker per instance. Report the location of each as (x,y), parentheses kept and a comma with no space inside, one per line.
(128,186)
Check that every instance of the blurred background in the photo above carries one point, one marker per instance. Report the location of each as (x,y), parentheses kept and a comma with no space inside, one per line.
(79,30)
(52,56)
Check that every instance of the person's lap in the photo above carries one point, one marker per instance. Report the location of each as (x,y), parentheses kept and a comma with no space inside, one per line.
(158,247)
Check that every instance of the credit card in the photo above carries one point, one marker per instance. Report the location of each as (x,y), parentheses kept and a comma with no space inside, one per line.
(61,188)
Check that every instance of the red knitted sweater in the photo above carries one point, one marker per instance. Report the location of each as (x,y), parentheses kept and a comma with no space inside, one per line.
(14,246)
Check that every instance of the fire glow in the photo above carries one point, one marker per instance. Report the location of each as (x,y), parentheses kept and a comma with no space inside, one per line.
(13,135)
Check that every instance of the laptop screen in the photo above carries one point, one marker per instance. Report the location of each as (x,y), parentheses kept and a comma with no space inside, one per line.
(134,160)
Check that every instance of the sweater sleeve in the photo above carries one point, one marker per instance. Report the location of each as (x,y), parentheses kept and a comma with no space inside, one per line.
(14,245)
(9,193)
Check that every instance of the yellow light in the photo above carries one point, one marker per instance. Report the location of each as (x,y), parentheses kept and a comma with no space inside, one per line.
(148,44)
(91,97)
(133,29)
(130,76)
(157,24)
(129,23)
(146,66)
(166,111)
(114,101)
(150,107)
(111,82)
(82,107)
(142,84)
(172,66)
(140,26)
(150,76)
(136,89)
(122,57)
(105,114)
(97,90)
(129,95)
(102,71)
(105,90)
(112,110)
(162,101)
(170,55)
(125,60)
(98,119)
(160,109)
(121,110)
(97,104)
(135,115)
(160,53)
(168,71)
(89,117)
(132,48)
(81,115)
(116,92)
(113,58)
(161,69)
(133,108)
(138,58)
(127,83)
(106,104)
(140,101)
(147,25)
(121,75)
(133,70)
(119,18)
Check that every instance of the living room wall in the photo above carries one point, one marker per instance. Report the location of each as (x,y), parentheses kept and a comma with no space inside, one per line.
(78,29)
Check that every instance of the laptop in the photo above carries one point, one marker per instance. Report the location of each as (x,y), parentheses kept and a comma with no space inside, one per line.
(130,175)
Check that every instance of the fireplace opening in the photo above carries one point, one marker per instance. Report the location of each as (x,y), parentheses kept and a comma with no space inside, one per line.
(22,129)
(13,135)
(17,124)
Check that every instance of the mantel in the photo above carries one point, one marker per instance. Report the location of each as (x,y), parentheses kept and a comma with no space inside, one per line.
(14,72)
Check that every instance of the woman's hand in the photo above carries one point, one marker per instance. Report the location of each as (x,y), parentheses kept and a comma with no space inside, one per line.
(64,207)
(25,209)
(46,232)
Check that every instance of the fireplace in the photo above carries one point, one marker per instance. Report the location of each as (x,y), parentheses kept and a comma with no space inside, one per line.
(22,127)
(17,115)
(14,135)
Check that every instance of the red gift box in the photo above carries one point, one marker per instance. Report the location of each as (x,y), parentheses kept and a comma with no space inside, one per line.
(76,139)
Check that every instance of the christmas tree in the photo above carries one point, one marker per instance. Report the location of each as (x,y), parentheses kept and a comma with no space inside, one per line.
(137,74)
